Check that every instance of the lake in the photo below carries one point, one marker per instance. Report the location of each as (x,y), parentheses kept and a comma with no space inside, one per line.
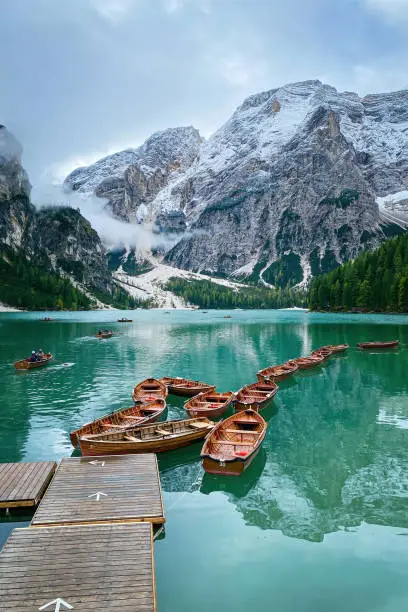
(318,522)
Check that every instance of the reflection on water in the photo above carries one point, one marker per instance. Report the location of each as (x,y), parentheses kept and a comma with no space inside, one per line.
(335,454)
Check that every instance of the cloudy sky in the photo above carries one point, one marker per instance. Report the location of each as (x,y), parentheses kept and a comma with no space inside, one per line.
(83,78)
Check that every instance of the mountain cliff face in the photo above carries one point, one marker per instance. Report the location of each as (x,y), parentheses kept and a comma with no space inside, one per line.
(289,187)
(130,180)
(60,240)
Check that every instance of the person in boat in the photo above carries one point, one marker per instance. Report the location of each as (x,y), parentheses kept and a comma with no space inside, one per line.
(33,356)
(40,355)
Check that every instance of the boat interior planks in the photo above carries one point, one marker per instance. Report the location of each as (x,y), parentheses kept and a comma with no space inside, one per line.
(209,403)
(185,386)
(136,415)
(233,443)
(156,438)
(149,389)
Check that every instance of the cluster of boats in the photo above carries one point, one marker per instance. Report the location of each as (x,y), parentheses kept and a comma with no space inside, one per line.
(230,445)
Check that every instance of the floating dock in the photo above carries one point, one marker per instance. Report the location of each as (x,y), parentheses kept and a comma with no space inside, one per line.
(80,568)
(23,484)
(111,489)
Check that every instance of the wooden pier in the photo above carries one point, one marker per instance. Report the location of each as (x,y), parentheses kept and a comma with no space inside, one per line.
(111,489)
(23,484)
(81,568)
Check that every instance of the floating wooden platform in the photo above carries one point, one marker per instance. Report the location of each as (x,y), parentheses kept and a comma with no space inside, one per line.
(23,484)
(88,567)
(103,489)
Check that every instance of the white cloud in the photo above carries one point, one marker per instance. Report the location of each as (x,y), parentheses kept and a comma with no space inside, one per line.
(113,11)
(393,10)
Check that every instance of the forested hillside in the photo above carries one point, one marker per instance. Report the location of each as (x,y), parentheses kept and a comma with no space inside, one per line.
(207,294)
(374,281)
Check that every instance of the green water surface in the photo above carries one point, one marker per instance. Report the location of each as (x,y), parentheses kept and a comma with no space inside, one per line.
(318,522)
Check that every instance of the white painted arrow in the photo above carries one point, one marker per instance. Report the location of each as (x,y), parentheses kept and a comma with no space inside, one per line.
(58,603)
(98,495)
(96,462)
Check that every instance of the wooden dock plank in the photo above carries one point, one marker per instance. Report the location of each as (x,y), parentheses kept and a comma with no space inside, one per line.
(103,489)
(91,567)
(23,484)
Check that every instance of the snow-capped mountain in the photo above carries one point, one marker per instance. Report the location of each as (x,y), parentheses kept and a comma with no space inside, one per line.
(288,187)
(131,179)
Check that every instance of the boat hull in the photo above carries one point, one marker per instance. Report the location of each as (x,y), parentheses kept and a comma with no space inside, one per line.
(97,426)
(104,336)
(187,391)
(378,345)
(201,405)
(256,406)
(148,390)
(25,364)
(211,413)
(95,447)
(273,378)
(228,468)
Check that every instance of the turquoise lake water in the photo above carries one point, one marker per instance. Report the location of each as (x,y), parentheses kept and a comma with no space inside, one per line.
(318,522)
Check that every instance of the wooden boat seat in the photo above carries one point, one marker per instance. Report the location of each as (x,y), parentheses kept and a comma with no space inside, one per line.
(230,442)
(131,438)
(242,431)
(246,422)
(198,425)
(162,432)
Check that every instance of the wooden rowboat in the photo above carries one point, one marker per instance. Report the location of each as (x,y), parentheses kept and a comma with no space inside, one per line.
(303,363)
(337,348)
(139,414)
(378,345)
(276,373)
(104,335)
(148,390)
(233,444)
(26,364)
(157,438)
(324,352)
(255,396)
(209,404)
(185,386)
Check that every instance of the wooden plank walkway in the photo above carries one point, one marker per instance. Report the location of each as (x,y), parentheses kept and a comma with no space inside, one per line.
(103,489)
(89,567)
(23,484)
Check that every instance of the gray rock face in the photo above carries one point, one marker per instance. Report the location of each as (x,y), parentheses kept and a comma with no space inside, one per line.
(288,187)
(73,246)
(130,180)
(61,236)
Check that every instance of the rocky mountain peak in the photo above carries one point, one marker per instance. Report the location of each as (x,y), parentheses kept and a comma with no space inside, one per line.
(286,188)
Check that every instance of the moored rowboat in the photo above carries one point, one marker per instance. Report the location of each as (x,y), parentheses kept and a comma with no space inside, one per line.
(324,352)
(233,444)
(255,396)
(378,345)
(303,363)
(26,364)
(209,404)
(337,348)
(156,438)
(185,386)
(276,373)
(149,389)
(139,414)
